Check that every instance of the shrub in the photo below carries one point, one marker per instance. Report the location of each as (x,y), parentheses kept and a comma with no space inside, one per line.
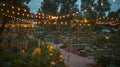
(88,49)
(64,44)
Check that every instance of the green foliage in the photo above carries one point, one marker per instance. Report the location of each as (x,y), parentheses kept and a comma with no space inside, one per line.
(32,58)
(81,40)
(102,60)
(46,4)
(64,44)
(101,9)
(88,49)
(68,6)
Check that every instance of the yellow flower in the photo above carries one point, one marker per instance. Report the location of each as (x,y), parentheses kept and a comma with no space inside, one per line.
(52,63)
(60,60)
(107,37)
(60,56)
(51,48)
(23,52)
(48,46)
(51,54)
(37,50)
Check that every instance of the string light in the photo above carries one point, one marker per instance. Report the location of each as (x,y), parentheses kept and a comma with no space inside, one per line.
(103,16)
(92,7)
(88,24)
(80,24)
(85,10)
(18,9)
(49,22)
(77,12)
(43,15)
(27,15)
(61,22)
(18,13)
(67,15)
(73,14)
(12,7)
(39,17)
(102,4)
(65,23)
(3,4)
(13,12)
(36,16)
(55,22)
(7,11)
(1,9)
(23,14)
(24,10)
(38,13)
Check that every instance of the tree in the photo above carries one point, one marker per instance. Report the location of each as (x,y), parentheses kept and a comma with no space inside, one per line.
(49,7)
(90,14)
(68,6)
(102,7)
(115,15)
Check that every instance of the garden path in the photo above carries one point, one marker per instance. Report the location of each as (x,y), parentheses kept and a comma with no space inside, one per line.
(74,60)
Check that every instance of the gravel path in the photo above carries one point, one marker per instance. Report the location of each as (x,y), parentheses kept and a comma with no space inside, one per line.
(74,60)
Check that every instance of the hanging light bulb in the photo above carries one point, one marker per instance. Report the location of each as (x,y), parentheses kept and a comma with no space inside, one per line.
(77,12)
(39,17)
(49,22)
(85,20)
(60,17)
(8,15)
(3,4)
(14,17)
(1,9)
(73,14)
(12,7)
(38,13)
(31,15)
(45,23)
(42,14)
(67,15)
(63,16)
(18,9)
(27,15)
(18,13)
(23,14)
(5,14)
(88,24)
(24,10)
(80,24)
(92,7)
(11,16)
(55,22)
(13,12)
(102,4)
(65,23)
(7,11)
(85,10)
